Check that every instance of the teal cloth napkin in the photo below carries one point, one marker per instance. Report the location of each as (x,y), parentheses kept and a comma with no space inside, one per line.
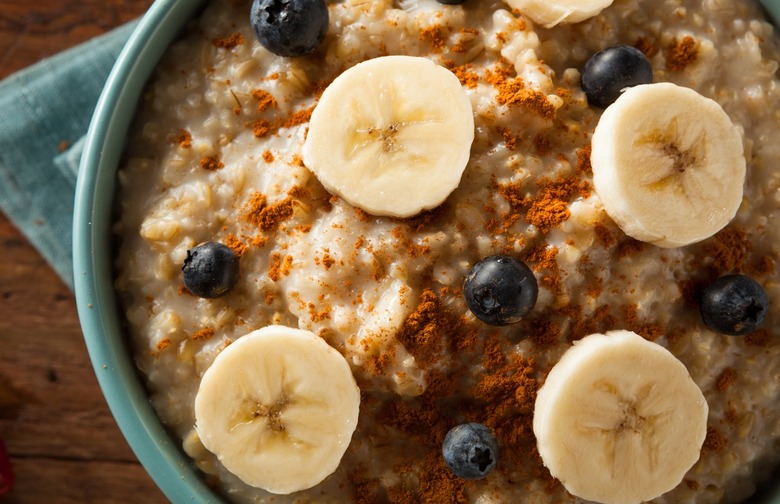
(45,112)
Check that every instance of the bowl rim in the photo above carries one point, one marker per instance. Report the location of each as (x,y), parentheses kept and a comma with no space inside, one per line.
(171,470)
(772,8)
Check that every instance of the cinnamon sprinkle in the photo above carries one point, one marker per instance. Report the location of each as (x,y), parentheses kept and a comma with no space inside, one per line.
(279,266)
(235,244)
(550,206)
(682,53)
(265,100)
(434,35)
(267,217)
(229,42)
(465,75)
(649,331)
(211,163)
(725,379)
(512,92)
(714,441)
(183,138)
(729,249)
(647,46)
(421,332)
(203,334)
(583,161)
(759,338)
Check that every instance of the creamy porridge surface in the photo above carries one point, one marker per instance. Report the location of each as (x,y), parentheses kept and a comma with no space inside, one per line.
(215,155)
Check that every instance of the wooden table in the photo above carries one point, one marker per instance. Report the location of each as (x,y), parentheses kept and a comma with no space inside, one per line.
(64,444)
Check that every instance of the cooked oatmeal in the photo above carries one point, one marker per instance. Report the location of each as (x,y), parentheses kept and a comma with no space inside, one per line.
(215,155)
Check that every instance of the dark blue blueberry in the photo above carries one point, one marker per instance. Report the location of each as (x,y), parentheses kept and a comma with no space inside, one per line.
(470,450)
(607,73)
(451,2)
(289,27)
(734,305)
(210,270)
(500,290)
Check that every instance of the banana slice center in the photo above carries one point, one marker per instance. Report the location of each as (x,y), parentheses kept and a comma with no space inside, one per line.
(677,159)
(271,414)
(681,159)
(387,136)
(632,421)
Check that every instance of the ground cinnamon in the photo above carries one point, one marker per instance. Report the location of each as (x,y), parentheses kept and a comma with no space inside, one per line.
(435,36)
(465,75)
(421,332)
(211,163)
(583,161)
(682,53)
(729,250)
(265,100)
(714,441)
(550,205)
(280,266)
(183,138)
(725,379)
(229,42)
(235,244)
(267,217)
(203,334)
(647,46)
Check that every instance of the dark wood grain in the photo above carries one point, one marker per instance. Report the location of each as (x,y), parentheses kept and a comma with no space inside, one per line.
(64,444)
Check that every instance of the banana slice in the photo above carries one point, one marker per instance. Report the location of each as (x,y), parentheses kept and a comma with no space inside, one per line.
(619,419)
(549,13)
(278,407)
(391,135)
(668,164)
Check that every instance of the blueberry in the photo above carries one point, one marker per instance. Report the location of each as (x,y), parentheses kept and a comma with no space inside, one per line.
(470,450)
(500,290)
(451,2)
(607,73)
(734,305)
(289,27)
(210,270)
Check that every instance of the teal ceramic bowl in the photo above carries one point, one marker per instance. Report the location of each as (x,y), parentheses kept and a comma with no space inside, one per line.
(109,352)
(101,322)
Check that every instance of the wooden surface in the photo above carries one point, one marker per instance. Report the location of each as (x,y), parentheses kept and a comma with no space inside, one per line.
(64,444)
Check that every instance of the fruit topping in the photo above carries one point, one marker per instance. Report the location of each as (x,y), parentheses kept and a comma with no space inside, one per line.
(609,72)
(619,420)
(668,164)
(549,13)
(210,270)
(289,27)
(500,290)
(402,139)
(451,2)
(734,305)
(470,450)
(278,407)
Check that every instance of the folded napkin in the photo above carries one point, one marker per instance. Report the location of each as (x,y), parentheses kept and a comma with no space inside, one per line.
(45,111)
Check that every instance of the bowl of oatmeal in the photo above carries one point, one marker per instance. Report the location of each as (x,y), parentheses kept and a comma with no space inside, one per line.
(208,144)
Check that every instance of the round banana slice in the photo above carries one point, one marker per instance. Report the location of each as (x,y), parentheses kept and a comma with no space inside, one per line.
(619,419)
(549,13)
(278,407)
(668,164)
(391,135)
